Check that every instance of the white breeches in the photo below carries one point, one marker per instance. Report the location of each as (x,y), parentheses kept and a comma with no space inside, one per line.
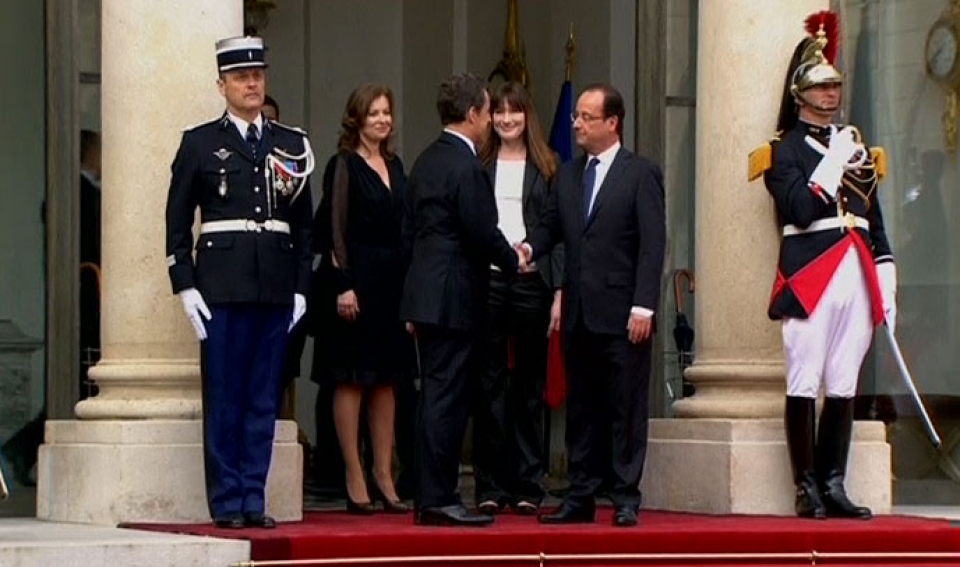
(828,347)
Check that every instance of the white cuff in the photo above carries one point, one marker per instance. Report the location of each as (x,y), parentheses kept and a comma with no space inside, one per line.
(641,311)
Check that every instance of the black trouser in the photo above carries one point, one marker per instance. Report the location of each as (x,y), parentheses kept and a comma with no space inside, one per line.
(89,331)
(446,361)
(607,414)
(405,432)
(508,410)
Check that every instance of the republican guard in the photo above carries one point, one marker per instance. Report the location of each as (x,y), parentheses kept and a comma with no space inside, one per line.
(245,287)
(836,278)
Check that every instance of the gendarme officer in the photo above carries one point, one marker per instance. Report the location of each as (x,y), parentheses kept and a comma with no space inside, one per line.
(246,288)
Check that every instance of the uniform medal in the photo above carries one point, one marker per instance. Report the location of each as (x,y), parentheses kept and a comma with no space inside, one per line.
(222,188)
(223,154)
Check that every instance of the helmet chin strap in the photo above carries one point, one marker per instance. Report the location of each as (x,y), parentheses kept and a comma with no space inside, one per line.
(831,109)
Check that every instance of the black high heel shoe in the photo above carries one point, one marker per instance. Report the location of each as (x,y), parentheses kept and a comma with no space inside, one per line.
(389,506)
(359,508)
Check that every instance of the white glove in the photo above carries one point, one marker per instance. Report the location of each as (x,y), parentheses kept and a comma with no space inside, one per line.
(299,308)
(887,274)
(843,148)
(196,309)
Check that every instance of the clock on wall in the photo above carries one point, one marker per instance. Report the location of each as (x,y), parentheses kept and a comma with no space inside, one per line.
(941,51)
(942,57)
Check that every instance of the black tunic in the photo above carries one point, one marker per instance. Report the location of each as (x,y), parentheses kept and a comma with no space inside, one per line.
(365,227)
(787,181)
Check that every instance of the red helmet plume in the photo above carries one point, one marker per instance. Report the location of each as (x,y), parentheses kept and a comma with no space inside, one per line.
(829,23)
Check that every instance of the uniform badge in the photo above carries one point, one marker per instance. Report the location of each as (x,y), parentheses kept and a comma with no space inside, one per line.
(223,154)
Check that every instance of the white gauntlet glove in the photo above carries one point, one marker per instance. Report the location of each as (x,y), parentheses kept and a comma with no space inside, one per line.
(839,157)
(887,274)
(299,308)
(196,309)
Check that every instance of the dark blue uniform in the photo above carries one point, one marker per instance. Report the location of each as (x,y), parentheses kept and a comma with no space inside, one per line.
(798,205)
(253,255)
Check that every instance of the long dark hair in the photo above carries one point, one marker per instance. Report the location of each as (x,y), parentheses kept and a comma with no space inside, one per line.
(517,97)
(355,114)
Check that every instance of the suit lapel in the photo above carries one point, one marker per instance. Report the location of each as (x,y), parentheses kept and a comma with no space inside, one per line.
(579,169)
(490,171)
(616,168)
(530,172)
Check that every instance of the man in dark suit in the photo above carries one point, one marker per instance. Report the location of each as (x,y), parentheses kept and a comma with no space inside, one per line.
(608,210)
(249,177)
(450,231)
(89,256)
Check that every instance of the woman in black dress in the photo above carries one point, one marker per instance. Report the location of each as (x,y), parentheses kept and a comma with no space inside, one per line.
(361,342)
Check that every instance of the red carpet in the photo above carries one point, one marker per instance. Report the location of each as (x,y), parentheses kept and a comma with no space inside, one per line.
(663,538)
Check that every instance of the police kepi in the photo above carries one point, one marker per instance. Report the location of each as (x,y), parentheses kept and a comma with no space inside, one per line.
(246,288)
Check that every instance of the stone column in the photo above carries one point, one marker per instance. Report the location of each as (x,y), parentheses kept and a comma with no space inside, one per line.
(727,453)
(135,452)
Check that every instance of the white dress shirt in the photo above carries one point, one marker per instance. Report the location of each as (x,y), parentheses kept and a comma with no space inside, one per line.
(604,160)
(242,124)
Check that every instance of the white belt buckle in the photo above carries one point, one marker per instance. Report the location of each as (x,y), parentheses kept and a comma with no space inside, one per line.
(250,226)
(268,225)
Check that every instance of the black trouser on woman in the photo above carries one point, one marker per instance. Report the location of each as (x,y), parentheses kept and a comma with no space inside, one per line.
(508,410)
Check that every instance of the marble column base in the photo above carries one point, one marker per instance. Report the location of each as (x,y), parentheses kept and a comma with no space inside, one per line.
(109,472)
(741,466)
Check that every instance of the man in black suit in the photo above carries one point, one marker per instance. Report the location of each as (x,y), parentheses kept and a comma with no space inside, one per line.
(247,287)
(608,210)
(450,231)
(89,256)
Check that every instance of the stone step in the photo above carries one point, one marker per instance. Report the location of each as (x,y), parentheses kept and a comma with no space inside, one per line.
(26,542)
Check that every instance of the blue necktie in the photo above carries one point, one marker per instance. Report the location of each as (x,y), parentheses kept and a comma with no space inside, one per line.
(252,138)
(589,178)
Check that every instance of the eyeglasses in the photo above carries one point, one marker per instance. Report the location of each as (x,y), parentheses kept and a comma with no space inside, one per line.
(584,117)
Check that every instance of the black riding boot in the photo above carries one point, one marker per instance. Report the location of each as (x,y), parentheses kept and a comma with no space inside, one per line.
(799,421)
(833,446)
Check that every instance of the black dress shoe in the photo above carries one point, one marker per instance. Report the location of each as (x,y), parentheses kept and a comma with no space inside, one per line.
(625,517)
(229,522)
(454,515)
(259,520)
(569,513)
